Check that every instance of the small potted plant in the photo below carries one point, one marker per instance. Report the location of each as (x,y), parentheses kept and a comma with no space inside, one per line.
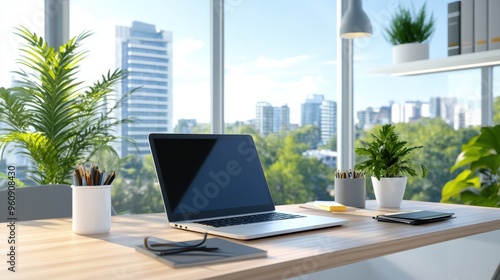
(408,32)
(389,162)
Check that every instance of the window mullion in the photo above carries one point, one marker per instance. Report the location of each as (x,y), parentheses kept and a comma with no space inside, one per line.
(217,65)
(56,22)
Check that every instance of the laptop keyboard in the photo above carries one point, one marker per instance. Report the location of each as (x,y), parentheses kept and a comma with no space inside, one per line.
(250,219)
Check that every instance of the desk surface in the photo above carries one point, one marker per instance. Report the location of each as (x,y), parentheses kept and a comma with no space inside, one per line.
(49,249)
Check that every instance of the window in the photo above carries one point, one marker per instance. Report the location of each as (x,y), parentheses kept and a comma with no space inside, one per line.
(164,46)
(14,14)
(280,85)
(280,66)
(439,111)
(27,13)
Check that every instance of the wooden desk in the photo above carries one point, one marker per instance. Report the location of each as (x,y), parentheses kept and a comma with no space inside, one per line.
(48,249)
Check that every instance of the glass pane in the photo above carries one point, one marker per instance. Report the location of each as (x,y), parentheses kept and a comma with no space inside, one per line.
(27,13)
(164,47)
(439,111)
(16,14)
(279,86)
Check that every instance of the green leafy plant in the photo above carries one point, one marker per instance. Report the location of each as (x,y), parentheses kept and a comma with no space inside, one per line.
(54,119)
(388,156)
(478,183)
(409,27)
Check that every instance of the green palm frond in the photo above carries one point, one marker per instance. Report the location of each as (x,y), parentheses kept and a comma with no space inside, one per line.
(56,120)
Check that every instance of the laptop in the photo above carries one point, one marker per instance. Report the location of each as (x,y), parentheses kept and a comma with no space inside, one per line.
(215,183)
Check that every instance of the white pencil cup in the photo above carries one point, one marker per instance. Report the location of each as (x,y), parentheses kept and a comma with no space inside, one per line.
(91,209)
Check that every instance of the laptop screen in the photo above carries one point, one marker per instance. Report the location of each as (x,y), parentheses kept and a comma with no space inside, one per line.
(206,175)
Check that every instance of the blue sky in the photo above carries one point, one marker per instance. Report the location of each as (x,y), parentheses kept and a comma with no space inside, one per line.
(278,51)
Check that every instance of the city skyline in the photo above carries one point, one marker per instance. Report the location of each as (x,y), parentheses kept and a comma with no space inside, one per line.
(277,59)
(448,109)
(322,113)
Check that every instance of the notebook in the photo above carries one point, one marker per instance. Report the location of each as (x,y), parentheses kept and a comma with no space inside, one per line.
(415,217)
(227,251)
(215,183)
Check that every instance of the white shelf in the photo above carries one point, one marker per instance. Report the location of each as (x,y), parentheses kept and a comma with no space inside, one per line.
(451,63)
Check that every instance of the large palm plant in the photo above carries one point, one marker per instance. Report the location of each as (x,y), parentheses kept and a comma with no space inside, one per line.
(51,116)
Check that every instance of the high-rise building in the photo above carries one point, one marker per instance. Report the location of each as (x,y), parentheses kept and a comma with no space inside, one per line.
(328,120)
(281,118)
(444,108)
(271,119)
(384,115)
(311,112)
(264,118)
(372,116)
(366,118)
(410,111)
(460,118)
(473,112)
(146,54)
(396,113)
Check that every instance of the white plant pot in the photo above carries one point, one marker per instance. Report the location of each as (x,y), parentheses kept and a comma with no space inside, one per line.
(389,192)
(409,52)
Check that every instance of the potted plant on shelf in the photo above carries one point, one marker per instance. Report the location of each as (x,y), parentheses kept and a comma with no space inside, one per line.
(51,116)
(388,161)
(408,32)
(479,183)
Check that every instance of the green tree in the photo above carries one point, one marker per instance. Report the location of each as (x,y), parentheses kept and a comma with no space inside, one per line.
(293,177)
(309,135)
(201,128)
(136,188)
(284,176)
(332,144)
(496,110)
(441,146)
(318,177)
(267,147)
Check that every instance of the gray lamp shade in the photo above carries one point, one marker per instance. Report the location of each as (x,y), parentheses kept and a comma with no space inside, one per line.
(355,23)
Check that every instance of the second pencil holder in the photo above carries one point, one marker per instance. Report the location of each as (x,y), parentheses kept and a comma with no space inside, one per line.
(350,191)
(91,209)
